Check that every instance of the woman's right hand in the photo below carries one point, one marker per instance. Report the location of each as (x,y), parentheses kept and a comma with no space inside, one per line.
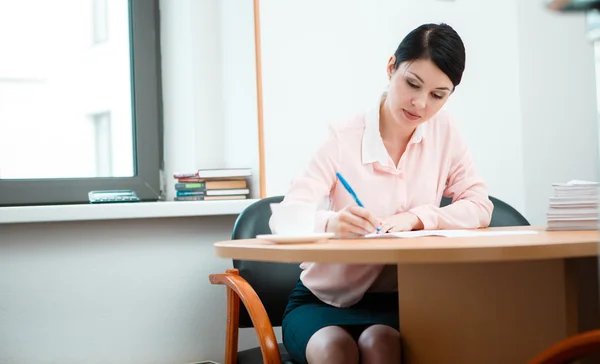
(352,221)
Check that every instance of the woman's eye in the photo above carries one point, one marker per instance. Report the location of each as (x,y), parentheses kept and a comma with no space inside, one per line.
(437,96)
(412,85)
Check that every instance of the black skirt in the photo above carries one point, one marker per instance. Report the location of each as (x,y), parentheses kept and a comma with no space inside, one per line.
(305,314)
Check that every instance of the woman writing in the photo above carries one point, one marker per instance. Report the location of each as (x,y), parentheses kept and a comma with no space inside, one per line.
(400,157)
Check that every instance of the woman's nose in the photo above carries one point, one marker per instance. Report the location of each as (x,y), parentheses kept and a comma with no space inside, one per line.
(419,101)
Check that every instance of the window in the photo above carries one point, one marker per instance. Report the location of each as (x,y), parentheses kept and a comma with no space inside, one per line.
(75,117)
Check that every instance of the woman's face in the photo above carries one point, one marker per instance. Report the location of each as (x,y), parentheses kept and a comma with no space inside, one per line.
(417,91)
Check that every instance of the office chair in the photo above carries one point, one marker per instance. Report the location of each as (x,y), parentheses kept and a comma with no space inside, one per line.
(265,287)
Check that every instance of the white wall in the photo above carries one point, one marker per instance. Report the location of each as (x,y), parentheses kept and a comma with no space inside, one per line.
(113,292)
(316,74)
(240,108)
(193,112)
(209,87)
(558,103)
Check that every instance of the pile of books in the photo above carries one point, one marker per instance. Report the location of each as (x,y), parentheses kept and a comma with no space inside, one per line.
(212,184)
(573,206)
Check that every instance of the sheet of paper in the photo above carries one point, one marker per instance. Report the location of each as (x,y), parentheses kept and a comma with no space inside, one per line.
(450,233)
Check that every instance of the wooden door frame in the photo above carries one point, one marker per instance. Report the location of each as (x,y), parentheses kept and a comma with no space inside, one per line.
(259,99)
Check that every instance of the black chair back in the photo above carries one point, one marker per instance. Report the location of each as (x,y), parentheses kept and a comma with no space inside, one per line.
(273,282)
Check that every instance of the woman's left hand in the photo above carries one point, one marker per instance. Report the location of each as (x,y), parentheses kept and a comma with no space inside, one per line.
(404,221)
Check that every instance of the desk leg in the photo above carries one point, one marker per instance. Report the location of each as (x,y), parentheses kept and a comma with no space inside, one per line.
(583,306)
(492,313)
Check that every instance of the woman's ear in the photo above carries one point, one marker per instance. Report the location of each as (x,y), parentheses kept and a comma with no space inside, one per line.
(390,67)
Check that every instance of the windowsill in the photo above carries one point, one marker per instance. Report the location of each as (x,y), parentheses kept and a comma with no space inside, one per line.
(118,211)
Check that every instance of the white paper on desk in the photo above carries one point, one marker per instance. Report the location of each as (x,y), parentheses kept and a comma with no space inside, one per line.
(450,233)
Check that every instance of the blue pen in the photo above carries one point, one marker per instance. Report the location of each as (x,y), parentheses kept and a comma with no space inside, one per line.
(351,191)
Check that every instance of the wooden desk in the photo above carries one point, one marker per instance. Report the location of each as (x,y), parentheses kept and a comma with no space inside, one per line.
(492,299)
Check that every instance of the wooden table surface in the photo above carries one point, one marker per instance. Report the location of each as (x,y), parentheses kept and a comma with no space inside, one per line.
(484,299)
(543,245)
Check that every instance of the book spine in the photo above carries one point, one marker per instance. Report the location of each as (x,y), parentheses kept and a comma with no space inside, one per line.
(190,186)
(189,198)
(190,193)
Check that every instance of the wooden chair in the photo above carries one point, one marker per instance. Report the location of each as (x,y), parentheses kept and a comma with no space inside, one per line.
(264,287)
(570,349)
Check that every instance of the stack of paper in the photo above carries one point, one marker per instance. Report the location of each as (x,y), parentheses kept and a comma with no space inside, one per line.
(574,206)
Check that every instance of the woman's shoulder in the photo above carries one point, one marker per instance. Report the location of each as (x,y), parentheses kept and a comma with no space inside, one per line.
(442,125)
(442,119)
(349,125)
(445,133)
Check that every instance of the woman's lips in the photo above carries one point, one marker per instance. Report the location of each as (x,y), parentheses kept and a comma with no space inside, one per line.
(410,116)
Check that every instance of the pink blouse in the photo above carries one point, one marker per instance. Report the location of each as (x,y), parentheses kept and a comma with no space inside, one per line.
(436,163)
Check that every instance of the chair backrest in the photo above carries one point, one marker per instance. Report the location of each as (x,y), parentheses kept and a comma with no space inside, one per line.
(273,282)
(503,214)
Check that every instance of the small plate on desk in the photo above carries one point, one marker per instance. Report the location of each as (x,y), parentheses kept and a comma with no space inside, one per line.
(295,239)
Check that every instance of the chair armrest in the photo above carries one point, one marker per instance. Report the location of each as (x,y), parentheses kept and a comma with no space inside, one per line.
(239,288)
(570,349)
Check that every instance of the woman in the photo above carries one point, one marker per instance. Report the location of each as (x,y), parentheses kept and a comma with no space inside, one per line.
(401,157)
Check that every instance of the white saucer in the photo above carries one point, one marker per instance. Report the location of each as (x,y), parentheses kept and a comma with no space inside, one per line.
(295,239)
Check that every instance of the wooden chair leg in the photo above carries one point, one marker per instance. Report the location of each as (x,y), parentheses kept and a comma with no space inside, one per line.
(238,289)
(233,318)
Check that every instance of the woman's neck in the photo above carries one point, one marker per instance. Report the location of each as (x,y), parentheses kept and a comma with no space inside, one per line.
(391,132)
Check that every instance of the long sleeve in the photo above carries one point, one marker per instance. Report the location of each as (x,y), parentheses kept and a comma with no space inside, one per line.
(471,206)
(317,180)
(339,285)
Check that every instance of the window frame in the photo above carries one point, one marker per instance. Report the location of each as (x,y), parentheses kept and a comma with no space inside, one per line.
(146,93)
